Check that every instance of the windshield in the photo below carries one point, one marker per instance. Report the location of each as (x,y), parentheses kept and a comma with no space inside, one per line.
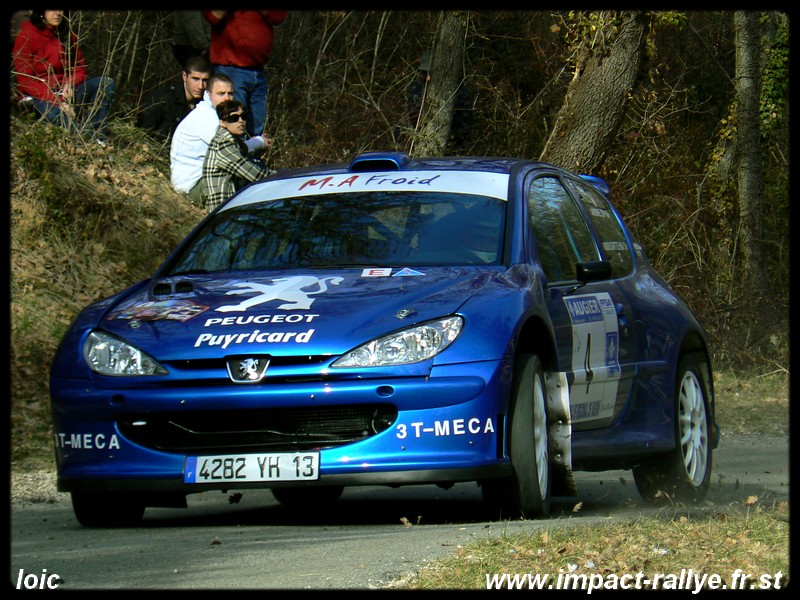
(403,229)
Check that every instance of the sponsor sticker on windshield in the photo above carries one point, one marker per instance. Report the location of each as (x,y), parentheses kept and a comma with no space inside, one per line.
(407,273)
(377,272)
(455,182)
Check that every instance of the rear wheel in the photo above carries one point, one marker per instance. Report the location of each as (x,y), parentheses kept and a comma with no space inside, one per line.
(107,509)
(526,492)
(683,475)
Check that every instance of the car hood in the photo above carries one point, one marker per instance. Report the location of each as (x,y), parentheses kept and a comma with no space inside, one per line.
(287,313)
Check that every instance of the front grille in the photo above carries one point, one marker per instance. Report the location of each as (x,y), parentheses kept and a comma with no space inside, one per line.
(257,430)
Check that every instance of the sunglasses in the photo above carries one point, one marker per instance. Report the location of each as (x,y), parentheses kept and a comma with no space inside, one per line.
(234,118)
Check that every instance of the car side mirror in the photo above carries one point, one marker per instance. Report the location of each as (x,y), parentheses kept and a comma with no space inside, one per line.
(598,270)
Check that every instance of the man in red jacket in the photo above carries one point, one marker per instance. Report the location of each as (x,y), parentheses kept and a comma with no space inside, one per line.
(51,74)
(241,46)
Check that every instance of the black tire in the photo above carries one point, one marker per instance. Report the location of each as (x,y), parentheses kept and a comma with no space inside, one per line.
(307,497)
(526,493)
(107,509)
(683,474)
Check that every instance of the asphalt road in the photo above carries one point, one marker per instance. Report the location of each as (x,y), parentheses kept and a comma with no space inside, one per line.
(369,538)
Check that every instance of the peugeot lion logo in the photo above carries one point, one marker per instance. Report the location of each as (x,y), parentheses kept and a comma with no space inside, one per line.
(288,289)
(247,370)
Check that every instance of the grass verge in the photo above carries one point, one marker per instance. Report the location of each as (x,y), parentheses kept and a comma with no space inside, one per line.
(754,541)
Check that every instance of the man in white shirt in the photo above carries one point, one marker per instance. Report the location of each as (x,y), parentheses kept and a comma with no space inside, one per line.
(193,135)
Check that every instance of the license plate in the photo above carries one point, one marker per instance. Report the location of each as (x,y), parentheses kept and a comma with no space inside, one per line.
(251,467)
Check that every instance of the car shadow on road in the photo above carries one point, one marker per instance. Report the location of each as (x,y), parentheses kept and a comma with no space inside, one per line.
(417,505)
(407,506)
(600,495)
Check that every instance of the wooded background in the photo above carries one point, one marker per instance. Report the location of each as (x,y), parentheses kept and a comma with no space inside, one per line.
(684,114)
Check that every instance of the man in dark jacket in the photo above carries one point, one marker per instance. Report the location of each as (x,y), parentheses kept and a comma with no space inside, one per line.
(191,35)
(167,106)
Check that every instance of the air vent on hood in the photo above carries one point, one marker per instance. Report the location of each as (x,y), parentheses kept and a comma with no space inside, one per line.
(379,161)
(164,288)
(183,287)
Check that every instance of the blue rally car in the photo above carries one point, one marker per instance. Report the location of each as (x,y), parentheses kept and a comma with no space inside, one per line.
(386,322)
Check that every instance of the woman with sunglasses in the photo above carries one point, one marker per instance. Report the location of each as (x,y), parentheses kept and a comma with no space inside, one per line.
(226,167)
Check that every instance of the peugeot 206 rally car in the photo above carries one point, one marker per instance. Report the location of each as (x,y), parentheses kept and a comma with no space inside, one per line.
(390,321)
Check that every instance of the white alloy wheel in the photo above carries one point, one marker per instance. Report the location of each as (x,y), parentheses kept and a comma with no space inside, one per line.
(693,426)
(540,437)
(684,473)
(526,492)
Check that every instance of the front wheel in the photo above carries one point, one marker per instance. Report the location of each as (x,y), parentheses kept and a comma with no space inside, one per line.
(526,492)
(683,475)
(107,509)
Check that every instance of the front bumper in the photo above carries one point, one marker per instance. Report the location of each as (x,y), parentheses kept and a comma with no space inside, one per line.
(449,428)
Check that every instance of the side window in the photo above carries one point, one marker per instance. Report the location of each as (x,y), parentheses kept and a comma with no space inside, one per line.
(561,234)
(612,238)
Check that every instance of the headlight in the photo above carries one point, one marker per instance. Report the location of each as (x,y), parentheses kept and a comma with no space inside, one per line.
(404,347)
(109,355)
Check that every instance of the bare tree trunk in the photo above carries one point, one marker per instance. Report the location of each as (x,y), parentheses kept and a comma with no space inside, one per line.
(748,140)
(440,93)
(595,101)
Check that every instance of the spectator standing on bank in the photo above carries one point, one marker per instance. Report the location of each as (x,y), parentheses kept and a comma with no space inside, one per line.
(191,35)
(193,135)
(227,167)
(51,75)
(166,107)
(241,47)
